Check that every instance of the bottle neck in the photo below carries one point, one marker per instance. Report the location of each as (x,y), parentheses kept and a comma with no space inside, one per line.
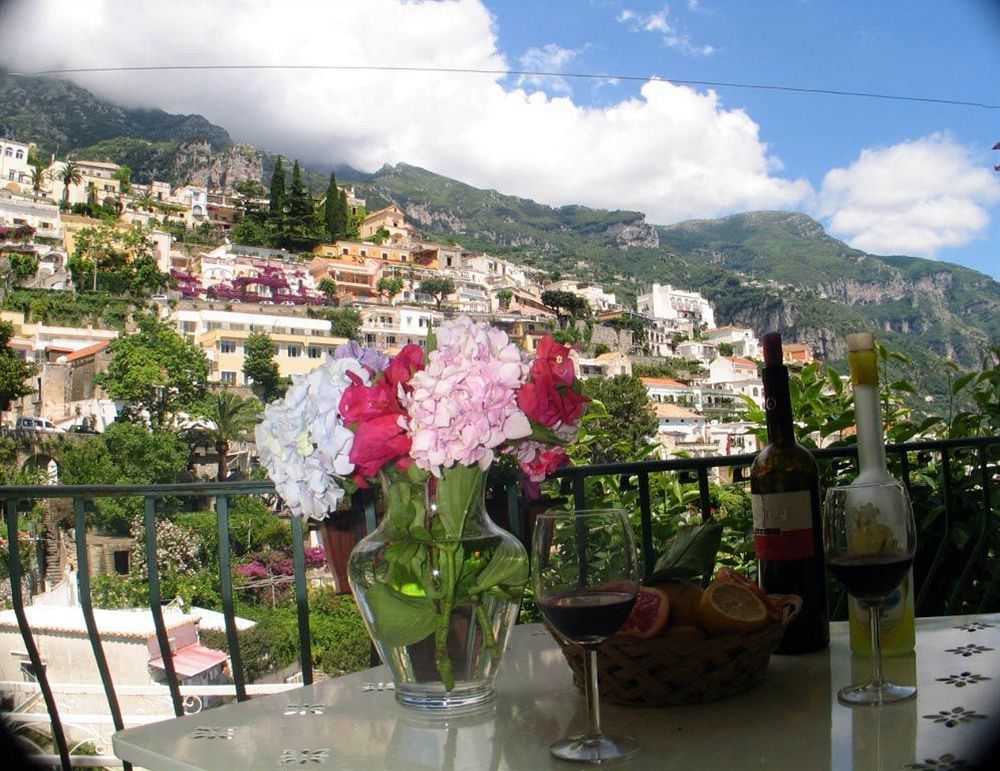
(778,405)
(871,438)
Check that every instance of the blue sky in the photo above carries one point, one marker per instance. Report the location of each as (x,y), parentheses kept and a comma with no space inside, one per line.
(941,50)
(887,176)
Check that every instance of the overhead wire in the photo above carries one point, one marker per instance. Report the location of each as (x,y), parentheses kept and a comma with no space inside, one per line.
(517,73)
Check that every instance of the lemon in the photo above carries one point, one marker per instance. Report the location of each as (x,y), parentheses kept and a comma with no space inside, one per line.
(872,539)
(727,608)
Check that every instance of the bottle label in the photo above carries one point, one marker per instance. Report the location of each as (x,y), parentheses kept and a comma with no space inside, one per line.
(782,525)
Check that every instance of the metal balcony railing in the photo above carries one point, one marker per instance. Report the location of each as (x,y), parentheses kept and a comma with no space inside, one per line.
(967,469)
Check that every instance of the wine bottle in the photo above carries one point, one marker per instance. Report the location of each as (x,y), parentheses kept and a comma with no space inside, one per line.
(787,533)
(898,629)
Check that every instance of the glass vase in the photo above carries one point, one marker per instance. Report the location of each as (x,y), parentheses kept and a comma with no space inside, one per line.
(439,586)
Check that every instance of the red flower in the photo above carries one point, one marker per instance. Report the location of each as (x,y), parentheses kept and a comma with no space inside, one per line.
(555,358)
(545,461)
(409,360)
(545,402)
(377,442)
(361,403)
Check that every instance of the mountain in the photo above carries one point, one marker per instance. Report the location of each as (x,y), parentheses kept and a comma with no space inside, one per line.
(765,270)
(60,116)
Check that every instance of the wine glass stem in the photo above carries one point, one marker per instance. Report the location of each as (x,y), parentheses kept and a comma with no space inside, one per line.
(875,628)
(593,703)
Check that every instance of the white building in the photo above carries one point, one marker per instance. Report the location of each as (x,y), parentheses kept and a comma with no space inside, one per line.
(389,328)
(666,302)
(42,217)
(605,365)
(96,176)
(15,173)
(596,297)
(700,350)
(738,375)
(743,340)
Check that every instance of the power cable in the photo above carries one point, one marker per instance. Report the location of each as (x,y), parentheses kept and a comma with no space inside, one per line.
(521,73)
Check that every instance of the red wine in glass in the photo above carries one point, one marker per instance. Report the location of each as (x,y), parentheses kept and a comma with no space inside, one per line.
(587,618)
(870,577)
(585,576)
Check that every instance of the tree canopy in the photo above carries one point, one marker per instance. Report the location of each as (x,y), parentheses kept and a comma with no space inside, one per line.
(231,419)
(438,288)
(261,369)
(566,305)
(156,373)
(630,422)
(115,259)
(14,371)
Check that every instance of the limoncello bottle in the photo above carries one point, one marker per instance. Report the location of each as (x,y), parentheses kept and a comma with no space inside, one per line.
(898,629)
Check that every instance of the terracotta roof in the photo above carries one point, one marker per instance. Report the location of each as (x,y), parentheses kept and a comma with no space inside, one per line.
(675,411)
(90,350)
(663,382)
(739,361)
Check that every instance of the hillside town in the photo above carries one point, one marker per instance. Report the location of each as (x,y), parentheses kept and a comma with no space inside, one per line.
(220,295)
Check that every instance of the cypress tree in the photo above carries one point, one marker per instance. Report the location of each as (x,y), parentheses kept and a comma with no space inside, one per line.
(331,210)
(300,203)
(344,216)
(277,197)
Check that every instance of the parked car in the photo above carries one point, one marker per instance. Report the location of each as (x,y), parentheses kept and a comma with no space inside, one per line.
(82,429)
(37,425)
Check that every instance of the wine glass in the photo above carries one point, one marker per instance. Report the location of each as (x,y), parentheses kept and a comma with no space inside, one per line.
(585,577)
(869,537)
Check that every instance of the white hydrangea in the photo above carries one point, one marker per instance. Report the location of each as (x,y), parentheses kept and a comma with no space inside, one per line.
(303,442)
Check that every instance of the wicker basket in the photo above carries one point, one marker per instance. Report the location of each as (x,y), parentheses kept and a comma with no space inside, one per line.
(661,672)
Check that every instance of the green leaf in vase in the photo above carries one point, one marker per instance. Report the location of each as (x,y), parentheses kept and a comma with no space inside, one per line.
(507,568)
(399,618)
(456,490)
(690,553)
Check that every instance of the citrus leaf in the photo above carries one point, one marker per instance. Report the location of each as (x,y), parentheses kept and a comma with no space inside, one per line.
(690,553)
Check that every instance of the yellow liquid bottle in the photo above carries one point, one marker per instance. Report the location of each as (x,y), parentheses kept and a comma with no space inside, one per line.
(898,628)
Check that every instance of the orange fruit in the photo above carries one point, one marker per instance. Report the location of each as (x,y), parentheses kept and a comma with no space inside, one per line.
(649,614)
(684,634)
(726,608)
(684,599)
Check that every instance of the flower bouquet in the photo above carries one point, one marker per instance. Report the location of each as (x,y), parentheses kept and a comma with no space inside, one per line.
(438,583)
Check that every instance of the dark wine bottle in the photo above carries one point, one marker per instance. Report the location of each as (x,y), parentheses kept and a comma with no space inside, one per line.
(787,532)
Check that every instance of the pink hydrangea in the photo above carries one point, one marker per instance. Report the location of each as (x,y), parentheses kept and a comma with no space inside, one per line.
(464,404)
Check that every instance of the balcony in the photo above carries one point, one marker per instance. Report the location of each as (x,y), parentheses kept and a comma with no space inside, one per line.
(957,569)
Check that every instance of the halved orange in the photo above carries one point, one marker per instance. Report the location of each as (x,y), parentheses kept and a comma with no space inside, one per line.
(727,607)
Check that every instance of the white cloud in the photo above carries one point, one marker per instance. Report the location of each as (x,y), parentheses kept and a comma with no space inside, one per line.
(916,198)
(671,36)
(671,151)
(547,58)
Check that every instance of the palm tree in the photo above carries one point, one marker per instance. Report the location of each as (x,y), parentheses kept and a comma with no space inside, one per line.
(39,176)
(233,418)
(70,175)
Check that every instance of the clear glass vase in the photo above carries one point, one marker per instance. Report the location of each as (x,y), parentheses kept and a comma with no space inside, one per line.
(439,586)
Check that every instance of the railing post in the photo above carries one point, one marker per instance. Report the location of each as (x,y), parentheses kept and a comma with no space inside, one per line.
(226,579)
(153,576)
(301,601)
(86,605)
(14,555)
